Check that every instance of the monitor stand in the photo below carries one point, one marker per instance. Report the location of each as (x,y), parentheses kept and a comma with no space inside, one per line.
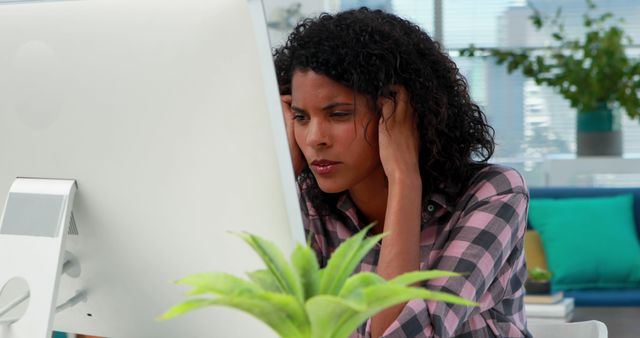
(33,230)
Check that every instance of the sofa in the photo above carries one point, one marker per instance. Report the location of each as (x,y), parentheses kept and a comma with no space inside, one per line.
(628,296)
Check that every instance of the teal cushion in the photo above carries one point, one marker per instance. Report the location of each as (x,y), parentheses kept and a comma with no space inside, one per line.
(589,242)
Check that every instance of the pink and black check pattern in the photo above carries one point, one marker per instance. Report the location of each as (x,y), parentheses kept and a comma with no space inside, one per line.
(479,234)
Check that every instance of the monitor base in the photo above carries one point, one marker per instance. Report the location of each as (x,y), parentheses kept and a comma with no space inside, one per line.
(33,230)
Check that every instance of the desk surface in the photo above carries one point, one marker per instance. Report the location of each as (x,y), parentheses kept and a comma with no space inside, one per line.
(622,322)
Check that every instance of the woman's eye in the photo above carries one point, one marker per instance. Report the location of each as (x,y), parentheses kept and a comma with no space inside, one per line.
(341,114)
(299,117)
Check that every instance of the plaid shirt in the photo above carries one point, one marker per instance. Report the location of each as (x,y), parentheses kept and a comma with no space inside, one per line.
(479,234)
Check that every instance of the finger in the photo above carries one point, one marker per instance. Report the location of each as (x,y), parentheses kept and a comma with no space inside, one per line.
(387,107)
(288,115)
(286,103)
(402,103)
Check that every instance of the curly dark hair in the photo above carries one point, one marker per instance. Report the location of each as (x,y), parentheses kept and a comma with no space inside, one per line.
(368,50)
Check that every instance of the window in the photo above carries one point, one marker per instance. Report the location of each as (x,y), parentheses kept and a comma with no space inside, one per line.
(531,122)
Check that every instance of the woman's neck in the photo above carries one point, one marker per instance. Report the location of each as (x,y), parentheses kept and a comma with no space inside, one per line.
(370,197)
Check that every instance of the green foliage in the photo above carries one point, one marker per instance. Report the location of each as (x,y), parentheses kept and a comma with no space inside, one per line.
(539,275)
(586,71)
(300,300)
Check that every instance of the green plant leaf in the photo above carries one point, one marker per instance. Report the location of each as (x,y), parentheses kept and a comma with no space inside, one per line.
(345,259)
(409,278)
(281,312)
(186,306)
(265,280)
(218,283)
(274,260)
(325,311)
(539,274)
(383,296)
(289,305)
(536,19)
(358,282)
(380,297)
(305,263)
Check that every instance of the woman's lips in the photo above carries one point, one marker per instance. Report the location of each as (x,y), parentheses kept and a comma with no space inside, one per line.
(324,167)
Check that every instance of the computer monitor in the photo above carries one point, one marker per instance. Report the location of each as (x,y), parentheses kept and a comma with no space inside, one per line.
(167,115)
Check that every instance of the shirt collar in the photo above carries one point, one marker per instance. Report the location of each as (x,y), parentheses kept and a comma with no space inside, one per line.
(348,208)
(346,205)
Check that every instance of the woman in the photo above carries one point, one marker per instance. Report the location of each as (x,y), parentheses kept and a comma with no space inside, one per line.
(382,129)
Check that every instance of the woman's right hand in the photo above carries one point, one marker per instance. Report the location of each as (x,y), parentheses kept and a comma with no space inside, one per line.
(297,158)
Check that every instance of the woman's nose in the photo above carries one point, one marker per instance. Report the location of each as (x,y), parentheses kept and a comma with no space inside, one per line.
(318,134)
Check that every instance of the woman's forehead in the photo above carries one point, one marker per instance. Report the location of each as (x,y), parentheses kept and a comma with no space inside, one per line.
(307,85)
(312,84)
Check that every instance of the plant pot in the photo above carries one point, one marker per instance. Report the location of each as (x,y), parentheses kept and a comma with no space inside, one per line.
(535,287)
(599,132)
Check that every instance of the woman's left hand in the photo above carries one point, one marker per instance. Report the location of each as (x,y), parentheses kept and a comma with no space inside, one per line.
(398,136)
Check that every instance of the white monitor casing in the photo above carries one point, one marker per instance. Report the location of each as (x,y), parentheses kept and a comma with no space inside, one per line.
(167,115)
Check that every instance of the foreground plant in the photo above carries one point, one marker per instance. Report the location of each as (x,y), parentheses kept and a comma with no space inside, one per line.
(300,300)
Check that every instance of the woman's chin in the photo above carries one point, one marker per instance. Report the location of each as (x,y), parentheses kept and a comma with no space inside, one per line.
(331,188)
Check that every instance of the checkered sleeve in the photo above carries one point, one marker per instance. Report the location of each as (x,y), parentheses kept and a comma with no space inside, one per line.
(485,245)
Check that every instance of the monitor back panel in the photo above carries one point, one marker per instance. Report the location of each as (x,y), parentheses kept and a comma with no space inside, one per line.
(158,110)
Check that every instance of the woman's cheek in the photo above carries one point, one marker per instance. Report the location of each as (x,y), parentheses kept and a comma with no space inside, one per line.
(299,136)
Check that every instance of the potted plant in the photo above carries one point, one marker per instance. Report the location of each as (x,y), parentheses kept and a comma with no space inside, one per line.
(538,281)
(300,300)
(592,72)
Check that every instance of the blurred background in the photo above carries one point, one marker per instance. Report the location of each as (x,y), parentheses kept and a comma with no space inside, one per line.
(535,127)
